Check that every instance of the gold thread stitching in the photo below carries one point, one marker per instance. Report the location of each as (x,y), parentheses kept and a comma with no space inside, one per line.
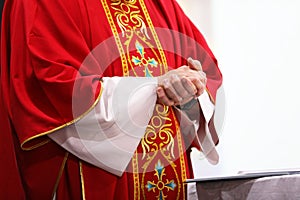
(117,38)
(125,13)
(136,177)
(182,161)
(62,167)
(126,73)
(82,180)
(162,54)
(59,127)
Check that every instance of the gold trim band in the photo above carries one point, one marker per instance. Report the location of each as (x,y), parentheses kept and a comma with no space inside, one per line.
(58,128)
(82,180)
(62,167)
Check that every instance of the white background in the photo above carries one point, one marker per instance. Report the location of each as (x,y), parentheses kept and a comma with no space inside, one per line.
(257,45)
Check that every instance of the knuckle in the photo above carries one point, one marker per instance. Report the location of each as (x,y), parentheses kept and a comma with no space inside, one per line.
(198,81)
(175,81)
(184,67)
(167,86)
(170,95)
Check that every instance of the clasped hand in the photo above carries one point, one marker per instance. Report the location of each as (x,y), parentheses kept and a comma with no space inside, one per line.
(181,85)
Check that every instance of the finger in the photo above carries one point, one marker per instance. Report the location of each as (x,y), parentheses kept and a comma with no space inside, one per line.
(178,86)
(194,64)
(197,75)
(198,64)
(199,85)
(171,92)
(203,77)
(189,86)
(162,97)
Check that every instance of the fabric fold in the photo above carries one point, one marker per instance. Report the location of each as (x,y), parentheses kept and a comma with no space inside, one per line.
(198,131)
(113,129)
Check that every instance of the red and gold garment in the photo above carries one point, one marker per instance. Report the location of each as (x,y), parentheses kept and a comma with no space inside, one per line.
(44,45)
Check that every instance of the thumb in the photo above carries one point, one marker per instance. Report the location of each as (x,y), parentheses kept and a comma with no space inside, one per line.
(194,64)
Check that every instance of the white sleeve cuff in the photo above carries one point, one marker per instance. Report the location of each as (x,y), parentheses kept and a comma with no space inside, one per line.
(206,143)
(109,134)
(206,105)
(198,131)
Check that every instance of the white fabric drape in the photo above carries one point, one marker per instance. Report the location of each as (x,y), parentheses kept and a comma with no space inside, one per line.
(109,134)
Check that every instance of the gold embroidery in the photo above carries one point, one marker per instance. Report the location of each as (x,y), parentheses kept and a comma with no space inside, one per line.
(162,183)
(136,177)
(148,19)
(62,167)
(182,161)
(137,35)
(128,17)
(117,38)
(82,180)
(143,61)
(165,134)
(134,30)
(160,128)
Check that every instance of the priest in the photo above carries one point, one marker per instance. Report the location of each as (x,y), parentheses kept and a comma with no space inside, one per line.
(103,99)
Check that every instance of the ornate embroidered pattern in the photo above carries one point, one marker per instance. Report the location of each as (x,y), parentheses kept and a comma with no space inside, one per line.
(136,177)
(116,36)
(159,144)
(142,55)
(159,127)
(143,61)
(160,185)
(130,20)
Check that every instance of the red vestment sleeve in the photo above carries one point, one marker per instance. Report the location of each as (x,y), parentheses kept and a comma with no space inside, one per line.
(46,84)
(44,87)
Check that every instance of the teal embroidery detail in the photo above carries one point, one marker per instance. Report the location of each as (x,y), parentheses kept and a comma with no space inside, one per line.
(160,185)
(142,61)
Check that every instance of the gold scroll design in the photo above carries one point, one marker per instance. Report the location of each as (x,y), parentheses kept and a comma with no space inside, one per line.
(159,128)
(134,31)
(125,15)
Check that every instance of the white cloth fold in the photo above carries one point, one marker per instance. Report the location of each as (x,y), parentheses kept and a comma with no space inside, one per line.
(201,135)
(109,134)
(207,144)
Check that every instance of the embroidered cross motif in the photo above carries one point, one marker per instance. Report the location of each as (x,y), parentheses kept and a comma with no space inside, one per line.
(142,61)
(160,185)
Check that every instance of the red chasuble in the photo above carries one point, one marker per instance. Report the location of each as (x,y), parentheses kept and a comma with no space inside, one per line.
(53,56)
